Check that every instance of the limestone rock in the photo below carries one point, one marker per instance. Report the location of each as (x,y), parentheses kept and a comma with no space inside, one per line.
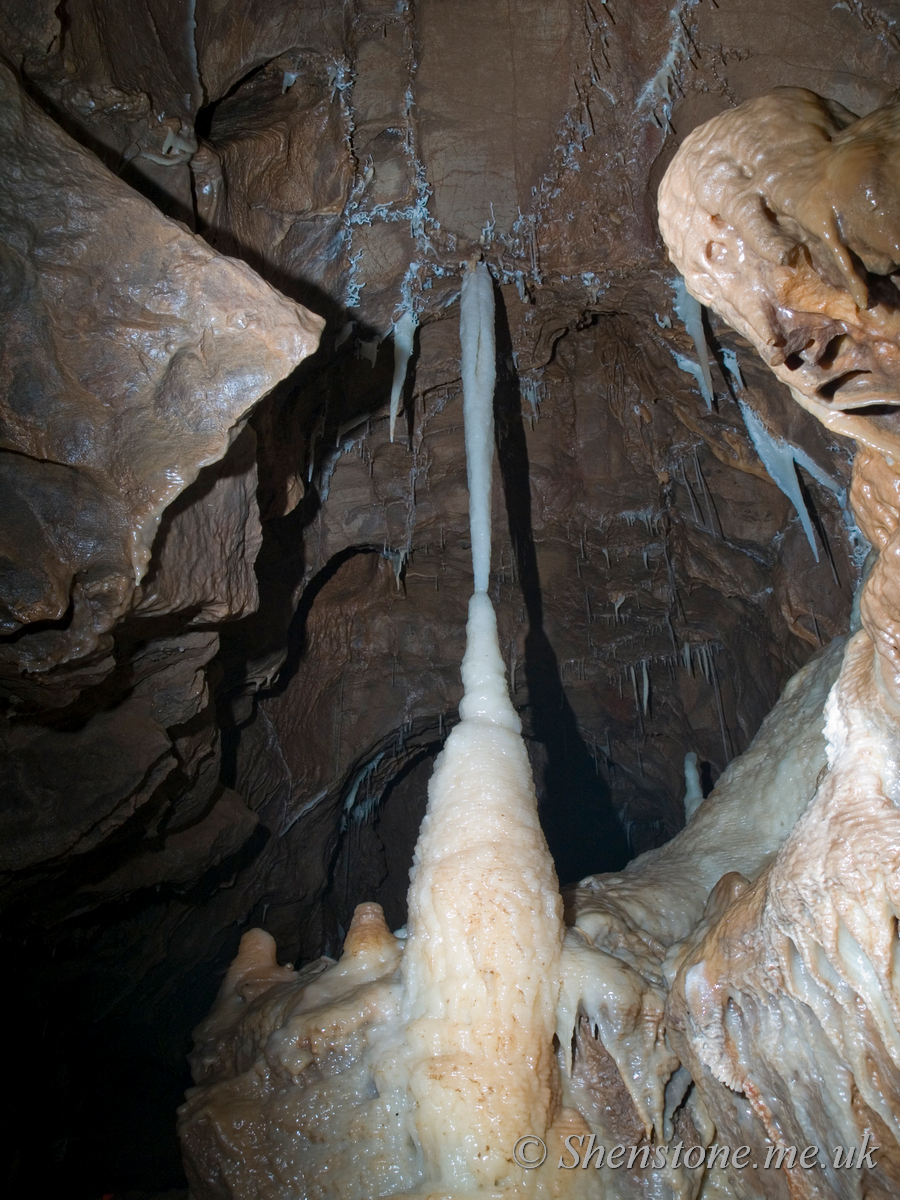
(132,355)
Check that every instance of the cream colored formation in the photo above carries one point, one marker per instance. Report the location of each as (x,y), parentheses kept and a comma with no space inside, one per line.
(738,986)
(481,967)
(784,216)
(412,1068)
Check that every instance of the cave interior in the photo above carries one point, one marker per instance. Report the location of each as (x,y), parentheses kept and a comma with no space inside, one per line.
(234,599)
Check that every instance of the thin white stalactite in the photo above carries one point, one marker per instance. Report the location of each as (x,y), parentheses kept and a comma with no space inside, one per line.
(476,331)
(404,337)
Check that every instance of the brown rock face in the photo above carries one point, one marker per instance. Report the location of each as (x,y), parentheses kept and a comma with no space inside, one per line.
(233,609)
(132,358)
(133,355)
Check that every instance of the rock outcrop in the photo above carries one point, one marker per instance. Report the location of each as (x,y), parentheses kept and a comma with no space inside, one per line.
(132,357)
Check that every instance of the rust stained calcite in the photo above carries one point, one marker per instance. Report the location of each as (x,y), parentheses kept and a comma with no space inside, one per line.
(783,214)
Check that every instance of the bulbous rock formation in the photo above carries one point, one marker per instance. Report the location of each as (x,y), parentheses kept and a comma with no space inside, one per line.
(784,216)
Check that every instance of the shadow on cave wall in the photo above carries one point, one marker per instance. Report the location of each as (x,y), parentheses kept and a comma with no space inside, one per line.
(576,812)
(372,855)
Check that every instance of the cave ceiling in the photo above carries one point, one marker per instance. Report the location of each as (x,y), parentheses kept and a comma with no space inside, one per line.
(233,607)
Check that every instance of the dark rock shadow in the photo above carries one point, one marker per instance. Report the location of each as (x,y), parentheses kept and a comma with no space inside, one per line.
(576,812)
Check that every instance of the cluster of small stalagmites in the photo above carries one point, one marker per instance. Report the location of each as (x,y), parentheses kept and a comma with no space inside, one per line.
(291,1064)
(784,216)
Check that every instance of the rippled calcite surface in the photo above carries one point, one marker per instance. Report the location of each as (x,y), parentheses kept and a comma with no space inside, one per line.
(783,215)
(481,969)
(607,413)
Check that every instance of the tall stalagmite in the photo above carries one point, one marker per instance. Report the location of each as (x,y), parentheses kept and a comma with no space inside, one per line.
(459,1041)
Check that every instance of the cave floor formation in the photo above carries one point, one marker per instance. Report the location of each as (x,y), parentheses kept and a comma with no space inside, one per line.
(233,605)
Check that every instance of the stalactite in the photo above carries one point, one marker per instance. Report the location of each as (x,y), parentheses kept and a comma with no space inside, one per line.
(691,314)
(404,336)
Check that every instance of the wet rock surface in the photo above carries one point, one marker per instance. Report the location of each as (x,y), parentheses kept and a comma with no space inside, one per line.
(133,356)
(233,624)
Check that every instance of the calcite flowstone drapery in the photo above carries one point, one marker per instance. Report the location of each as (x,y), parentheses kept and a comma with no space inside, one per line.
(783,216)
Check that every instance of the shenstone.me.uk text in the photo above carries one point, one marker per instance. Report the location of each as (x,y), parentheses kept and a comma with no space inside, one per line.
(583,1150)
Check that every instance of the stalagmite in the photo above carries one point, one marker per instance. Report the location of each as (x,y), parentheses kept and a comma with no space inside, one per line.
(693,793)
(434,1057)
(481,980)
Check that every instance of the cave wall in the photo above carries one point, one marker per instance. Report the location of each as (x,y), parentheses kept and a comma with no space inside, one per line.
(233,606)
